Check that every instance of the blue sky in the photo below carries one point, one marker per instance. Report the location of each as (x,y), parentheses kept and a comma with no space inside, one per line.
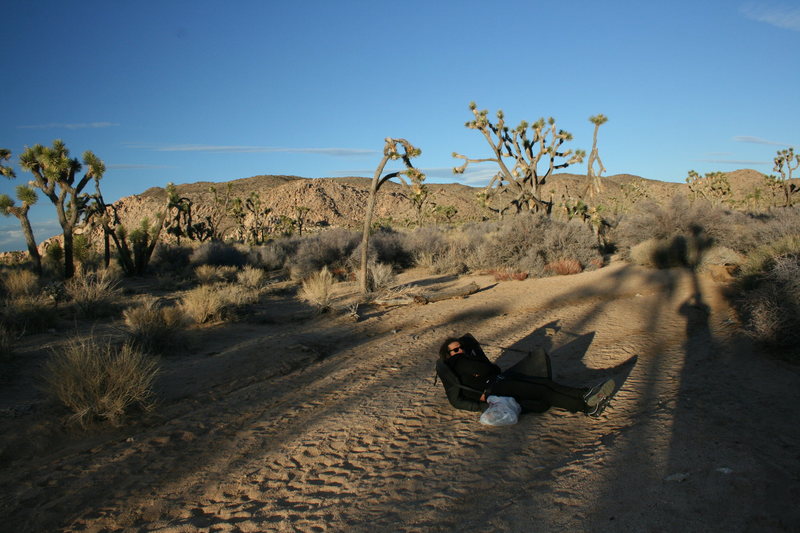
(214,91)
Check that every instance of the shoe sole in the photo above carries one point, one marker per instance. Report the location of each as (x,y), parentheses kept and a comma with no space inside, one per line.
(603,392)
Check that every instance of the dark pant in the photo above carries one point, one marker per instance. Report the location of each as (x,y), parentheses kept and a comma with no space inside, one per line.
(529,383)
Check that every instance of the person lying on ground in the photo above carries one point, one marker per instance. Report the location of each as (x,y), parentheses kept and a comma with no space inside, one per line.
(469,377)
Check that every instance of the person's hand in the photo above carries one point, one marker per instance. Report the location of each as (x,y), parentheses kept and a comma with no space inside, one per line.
(483,397)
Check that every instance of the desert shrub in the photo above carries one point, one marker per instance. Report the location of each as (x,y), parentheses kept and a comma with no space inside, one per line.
(508,274)
(527,242)
(154,326)
(28,314)
(96,294)
(20,283)
(564,267)
(721,255)
(53,260)
(388,246)
(330,248)
(84,253)
(99,381)
(381,275)
(171,259)
(251,278)
(425,241)
(317,289)
(207,274)
(760,260)
(680,218)
(274,254)
(772,308)
(218,253)
(203,304)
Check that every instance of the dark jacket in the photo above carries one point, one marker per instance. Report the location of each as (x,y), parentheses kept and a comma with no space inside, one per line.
(466,376)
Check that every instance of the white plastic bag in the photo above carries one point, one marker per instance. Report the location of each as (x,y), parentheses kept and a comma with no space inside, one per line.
(502,411)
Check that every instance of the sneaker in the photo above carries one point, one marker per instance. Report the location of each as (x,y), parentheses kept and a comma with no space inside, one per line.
(598,409)
(598,393)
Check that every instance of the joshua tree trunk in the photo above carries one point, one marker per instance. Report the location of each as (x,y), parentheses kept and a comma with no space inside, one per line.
(417,177)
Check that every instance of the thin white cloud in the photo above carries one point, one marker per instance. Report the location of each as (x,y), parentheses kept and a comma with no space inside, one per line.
(758,140)
(779,15)
(732,161)
(74,126)
(12,238)
(336,152)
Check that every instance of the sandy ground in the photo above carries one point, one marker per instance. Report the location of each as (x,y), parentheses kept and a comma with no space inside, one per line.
(282,423)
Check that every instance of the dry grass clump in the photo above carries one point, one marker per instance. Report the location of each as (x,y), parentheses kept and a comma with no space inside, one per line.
(317,289)
(564,267)
(26,314)
(99,381)
(208,274)
(203,304)
(96,294)
(252,278)
(20,283)
(508,274)
(154,326)
(381,275)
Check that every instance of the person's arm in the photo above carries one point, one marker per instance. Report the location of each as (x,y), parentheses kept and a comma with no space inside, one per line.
(456,398)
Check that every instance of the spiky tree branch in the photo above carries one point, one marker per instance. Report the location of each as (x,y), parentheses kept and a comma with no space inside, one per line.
(594,185)
(55,174)
(521,176)
(28,197)
(391,151)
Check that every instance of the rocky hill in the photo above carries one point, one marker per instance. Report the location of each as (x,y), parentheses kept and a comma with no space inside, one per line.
(340,202)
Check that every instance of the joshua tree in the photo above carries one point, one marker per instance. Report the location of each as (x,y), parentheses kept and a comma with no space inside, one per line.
(390,152)
(594,185)
(446,212)
(522,178)
(55,174)
(28,197)
(783,166)
(301,211)
(134,249)
(714,186)
(420,197)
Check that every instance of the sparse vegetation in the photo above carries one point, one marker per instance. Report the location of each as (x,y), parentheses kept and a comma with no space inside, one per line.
(98,381)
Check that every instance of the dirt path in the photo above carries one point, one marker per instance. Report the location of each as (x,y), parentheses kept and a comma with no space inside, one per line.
(702,436)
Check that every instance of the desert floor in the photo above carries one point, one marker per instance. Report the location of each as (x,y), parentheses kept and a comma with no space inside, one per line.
(284,422)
